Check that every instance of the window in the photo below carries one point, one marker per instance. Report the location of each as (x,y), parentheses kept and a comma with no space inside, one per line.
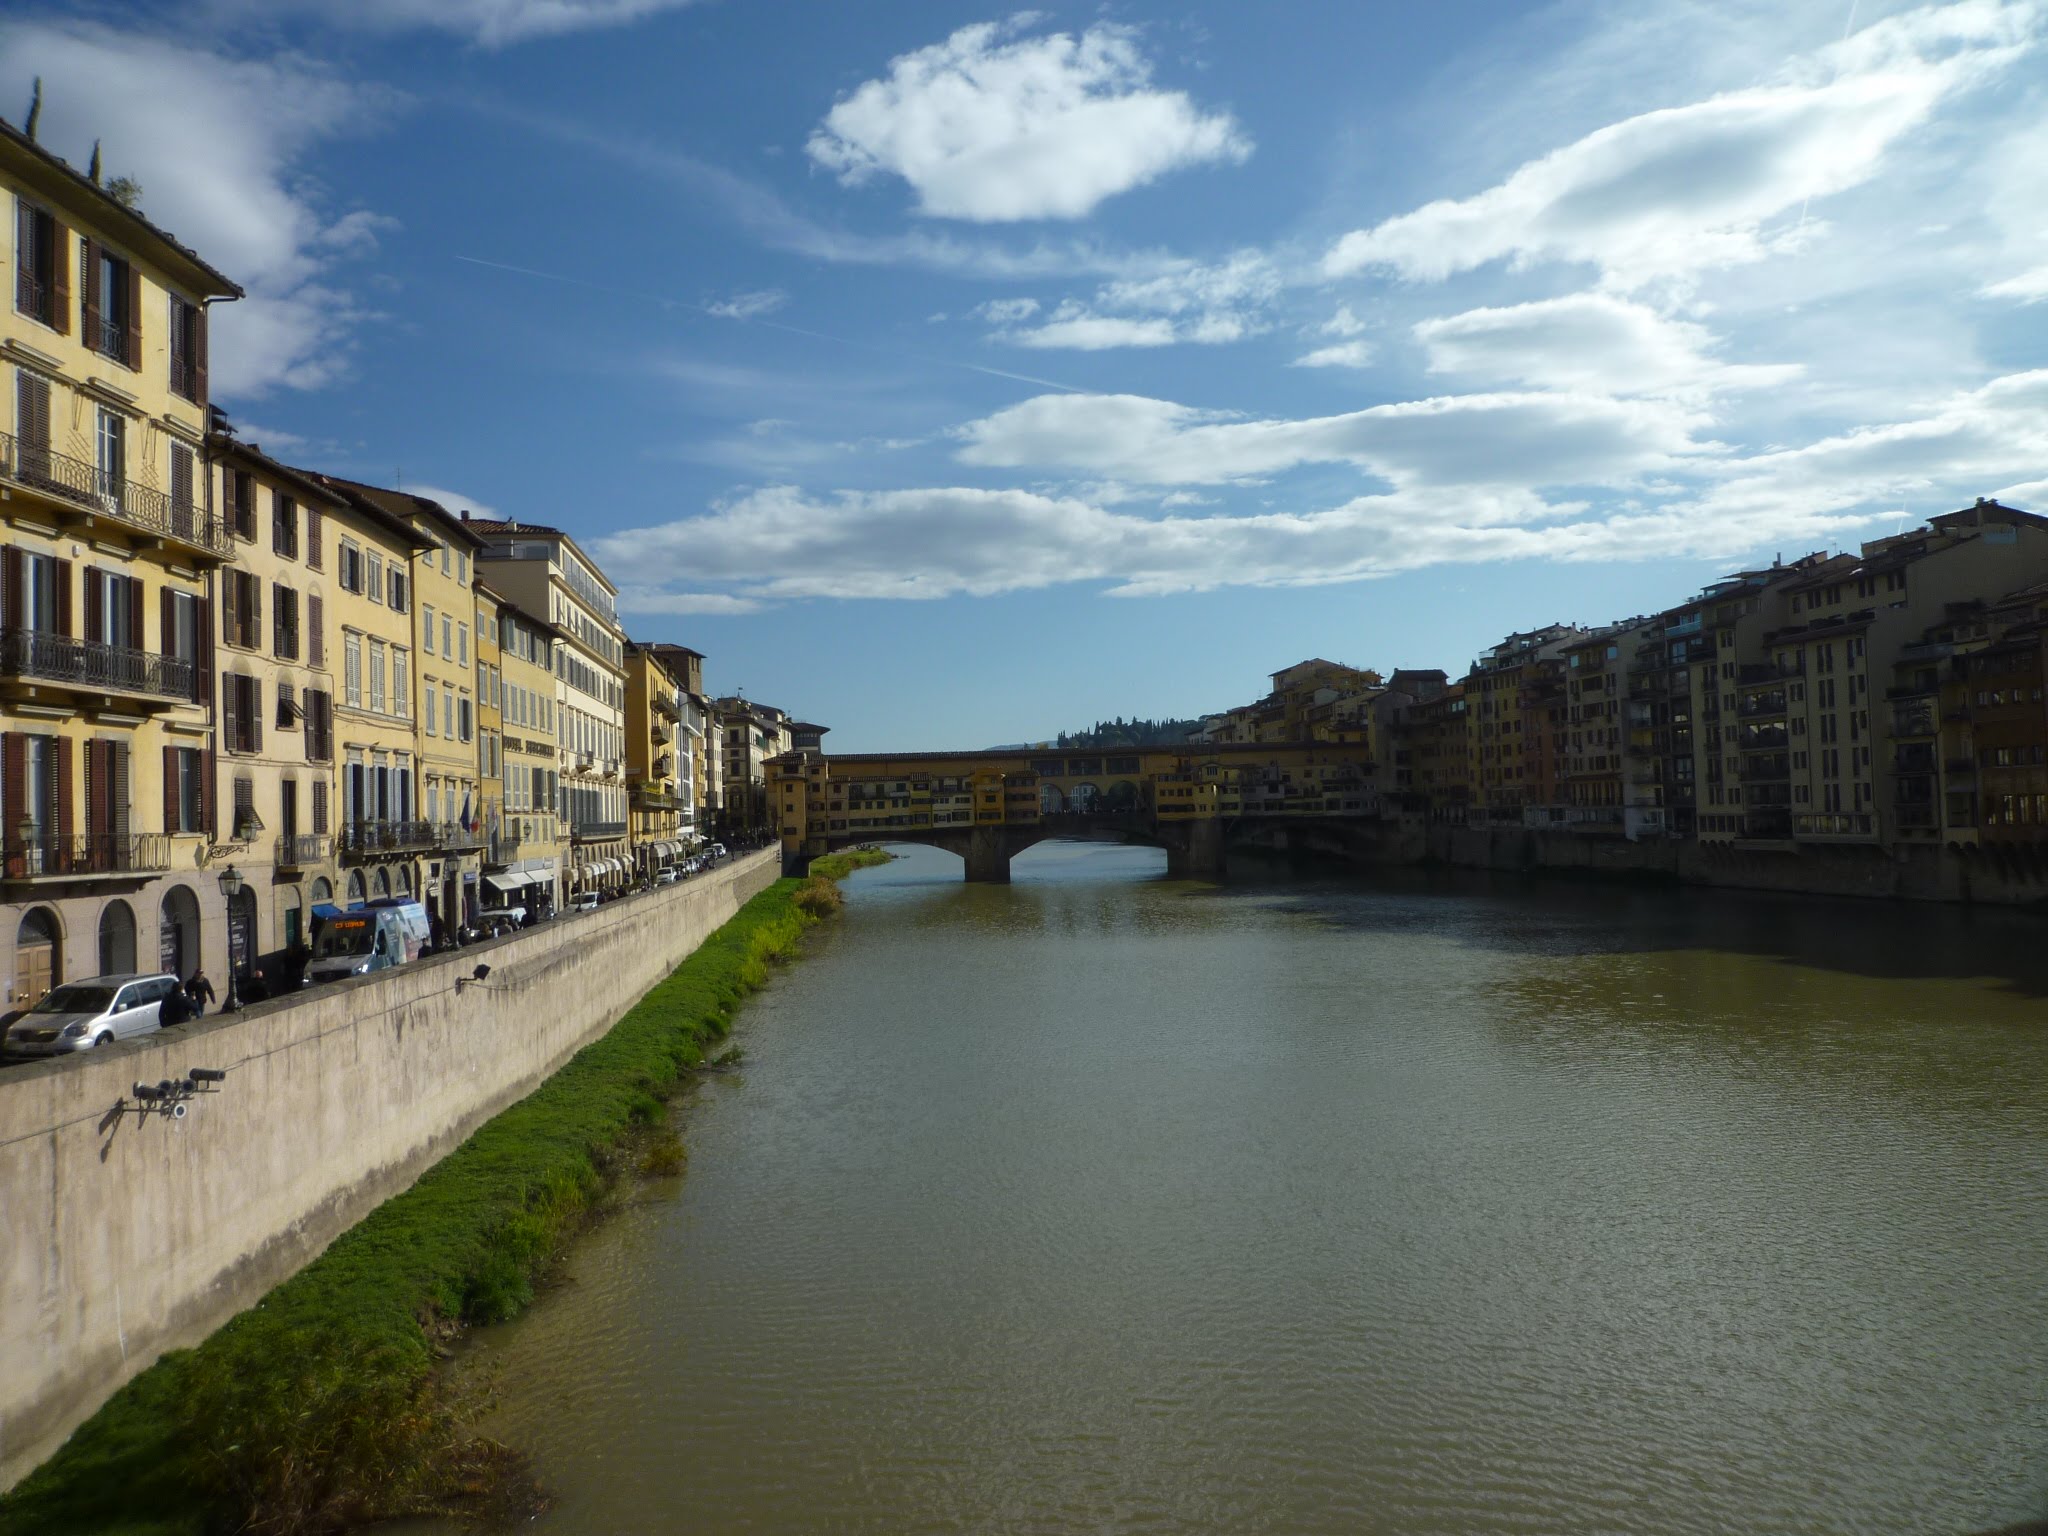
(432,712)
(284,526)
(108,304)
(447,638)
(373,577)
(111,455)
(351,567)
(241,612)
(184,789)
(352,669)
(284,621)
(464,720)
(462,645)
(377,651)
(448,713)
(319,715)
(400,584)
(241,714)
(401,681)
(42,271)
(188,350)
(427,628)
(184,474)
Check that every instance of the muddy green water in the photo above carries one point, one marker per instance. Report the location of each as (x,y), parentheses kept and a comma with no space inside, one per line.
(1104,1203)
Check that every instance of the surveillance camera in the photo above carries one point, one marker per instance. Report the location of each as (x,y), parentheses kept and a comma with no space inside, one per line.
(177,1111)
(207,1075)
(146,1093)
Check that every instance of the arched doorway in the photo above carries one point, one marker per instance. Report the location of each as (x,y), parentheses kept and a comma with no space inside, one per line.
(357,893)
(117,939)
(383,882)
(291,919)
(38,956)
(323,890)
(177,932)
(405,879)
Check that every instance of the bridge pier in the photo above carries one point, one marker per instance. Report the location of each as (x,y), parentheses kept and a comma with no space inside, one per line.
(988,856)
(1194,850)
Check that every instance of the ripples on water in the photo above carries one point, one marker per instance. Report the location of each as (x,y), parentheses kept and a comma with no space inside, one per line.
(1105,1203)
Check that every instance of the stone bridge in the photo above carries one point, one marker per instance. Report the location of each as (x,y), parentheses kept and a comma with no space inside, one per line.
(987,807)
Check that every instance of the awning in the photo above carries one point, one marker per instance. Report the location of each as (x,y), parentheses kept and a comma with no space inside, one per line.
(507,883)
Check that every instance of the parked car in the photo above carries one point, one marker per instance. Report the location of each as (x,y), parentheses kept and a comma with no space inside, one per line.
(667,876)
(583,901)
(718,851)
(83,1014)
(499,921)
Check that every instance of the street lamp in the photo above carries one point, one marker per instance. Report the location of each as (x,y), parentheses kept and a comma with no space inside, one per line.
(231,884)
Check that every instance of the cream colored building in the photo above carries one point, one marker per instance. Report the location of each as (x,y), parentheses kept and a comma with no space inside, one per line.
(109,859)
(522,863)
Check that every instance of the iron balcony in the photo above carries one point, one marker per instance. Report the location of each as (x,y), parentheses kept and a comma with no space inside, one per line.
(299,850)
(364,839)
(94,491)
(90,664)
(85,855)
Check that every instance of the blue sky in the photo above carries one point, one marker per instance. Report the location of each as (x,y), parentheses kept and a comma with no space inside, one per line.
(954,376)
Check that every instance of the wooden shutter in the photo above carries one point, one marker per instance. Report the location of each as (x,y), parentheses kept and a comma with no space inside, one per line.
(13,780)
(230,591)
(209,766)
(319,807)
(277,625)
(99,803)
(313,537)
(63,796)
(231,711)
(121,786)
(24,252)
(316,637)
(202,666)
(252,621)
(32,413)
(198,313)
(62,583)
(60,277)
(166,625)
(254,710)
(181,477)
(89,295)
(95,605)
(13,595)
(135,317)
(135,611)
(170,789)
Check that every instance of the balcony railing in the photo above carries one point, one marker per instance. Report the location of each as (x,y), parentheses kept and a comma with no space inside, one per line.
(454,836)
(361,838)
(1762,704)
(85,855)
(297,850)
(90,664)
(597,831)
(32,297)
(1846,824)
(92,489)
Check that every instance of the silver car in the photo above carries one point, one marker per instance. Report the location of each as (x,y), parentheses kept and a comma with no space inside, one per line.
(82,1014)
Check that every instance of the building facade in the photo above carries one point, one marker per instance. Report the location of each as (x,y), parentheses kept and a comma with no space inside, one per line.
(523,864)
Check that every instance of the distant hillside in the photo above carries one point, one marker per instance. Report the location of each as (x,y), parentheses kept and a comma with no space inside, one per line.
(1120,732)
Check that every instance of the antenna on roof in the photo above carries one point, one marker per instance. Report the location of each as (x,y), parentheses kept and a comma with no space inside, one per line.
(35,110)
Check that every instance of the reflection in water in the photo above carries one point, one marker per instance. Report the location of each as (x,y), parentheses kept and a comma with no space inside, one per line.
(1104,1202)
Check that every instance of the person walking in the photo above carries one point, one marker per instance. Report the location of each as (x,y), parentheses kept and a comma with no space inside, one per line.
(176,1008)
(200,991)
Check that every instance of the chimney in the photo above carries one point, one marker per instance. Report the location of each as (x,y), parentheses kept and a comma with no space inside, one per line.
(465,514)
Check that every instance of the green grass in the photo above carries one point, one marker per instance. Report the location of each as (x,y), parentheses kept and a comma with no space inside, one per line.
(322,1406)
(837,866)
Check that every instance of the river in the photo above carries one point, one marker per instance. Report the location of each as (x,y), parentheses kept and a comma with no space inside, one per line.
(1099,1202)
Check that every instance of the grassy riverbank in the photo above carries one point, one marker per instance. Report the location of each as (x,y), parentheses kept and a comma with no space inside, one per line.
(322,1407)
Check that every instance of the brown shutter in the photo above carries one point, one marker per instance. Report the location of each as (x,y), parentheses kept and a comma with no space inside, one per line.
(319,807)
(255,702)
(230,710)
(202,669)
(316,639)
(230,589)
(135,317)
(252,621)
(12,600)
(166,625)
(32,395)
(13,779)
(199,353)
(313,537)
(277,617)
(170,789)
(60,277)
(135,611)
(208,767)
(95,610)
(99,801)
(89,295)
(119,790)
(64,793)
(63,585)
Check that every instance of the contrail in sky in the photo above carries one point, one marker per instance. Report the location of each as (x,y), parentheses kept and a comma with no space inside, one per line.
(778,325)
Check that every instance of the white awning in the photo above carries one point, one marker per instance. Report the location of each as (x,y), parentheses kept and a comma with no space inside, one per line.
(506,883)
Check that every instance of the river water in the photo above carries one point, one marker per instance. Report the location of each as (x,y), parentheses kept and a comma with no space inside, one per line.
(1100,1202)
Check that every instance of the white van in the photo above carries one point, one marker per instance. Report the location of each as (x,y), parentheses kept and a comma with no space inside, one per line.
(82,1014)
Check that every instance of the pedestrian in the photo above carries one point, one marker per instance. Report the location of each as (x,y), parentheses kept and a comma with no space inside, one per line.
(176,1008)
(200,991)
(255,989)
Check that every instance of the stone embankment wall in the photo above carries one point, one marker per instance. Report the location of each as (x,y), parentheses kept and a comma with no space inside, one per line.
(125,1235)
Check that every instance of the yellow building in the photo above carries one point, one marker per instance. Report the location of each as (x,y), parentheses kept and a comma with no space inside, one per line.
(274,731)
(698,759)
(490,720)
(544,572)
(382,841)
(107,821)
(522,862)
(657,759)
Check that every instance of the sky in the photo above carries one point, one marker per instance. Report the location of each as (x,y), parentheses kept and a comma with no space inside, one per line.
(954,376)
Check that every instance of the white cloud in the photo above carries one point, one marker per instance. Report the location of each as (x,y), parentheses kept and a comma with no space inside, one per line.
(1588,341)
(1207,304)
(491,23)
(1342,354)
(1343,323)
(992,130)
(2029,287)
(641,599)
(1684,189)
(455,501)
(215,143)
(1006,311)
(1498,440)
(745,306)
